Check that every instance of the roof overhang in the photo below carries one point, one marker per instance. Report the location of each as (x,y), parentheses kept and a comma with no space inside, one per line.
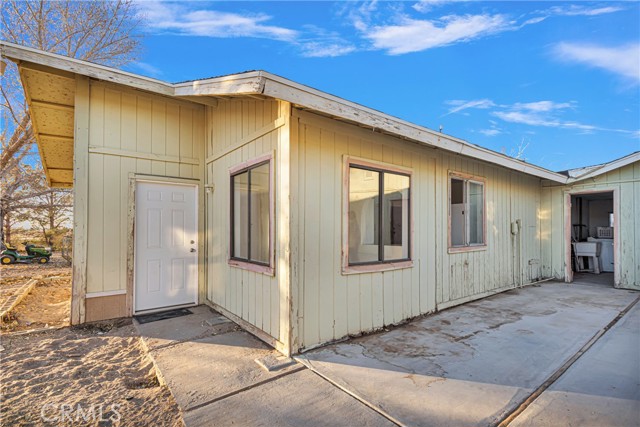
(253,84)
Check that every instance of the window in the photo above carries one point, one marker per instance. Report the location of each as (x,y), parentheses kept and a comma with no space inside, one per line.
(251,213)
(466,212)
(378,216)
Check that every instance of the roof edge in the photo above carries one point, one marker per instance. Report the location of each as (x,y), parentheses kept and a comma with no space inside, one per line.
(20,53)
(271,85)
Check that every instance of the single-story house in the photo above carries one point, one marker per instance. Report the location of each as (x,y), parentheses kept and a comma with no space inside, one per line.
(302,216)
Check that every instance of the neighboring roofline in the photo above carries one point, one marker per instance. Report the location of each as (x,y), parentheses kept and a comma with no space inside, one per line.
(270,85)
(598,170)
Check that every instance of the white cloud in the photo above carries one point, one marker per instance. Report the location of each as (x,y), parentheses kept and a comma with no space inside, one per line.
(546,114)
(193,20)
(147,68)
(424,6)
(413,35)
(542,106)
(490,132)
(621,60)
(534,119)
(539,113)
(575,10)
(322,49)
(177,19)
(458,105)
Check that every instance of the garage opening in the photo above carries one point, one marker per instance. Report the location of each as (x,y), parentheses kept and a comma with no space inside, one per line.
(592,238)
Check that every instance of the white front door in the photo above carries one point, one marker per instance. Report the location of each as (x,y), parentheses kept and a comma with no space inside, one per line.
(166,263)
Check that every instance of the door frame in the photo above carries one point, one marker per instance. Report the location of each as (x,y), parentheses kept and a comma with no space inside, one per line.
(568,271)
(134,178)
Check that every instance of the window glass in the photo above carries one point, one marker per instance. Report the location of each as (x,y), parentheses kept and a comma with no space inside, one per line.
(476,213)
(457,208)
(251,202)
(395,213)
(457,191)
(240,212)
(466,212)
(259,223)
(363,215)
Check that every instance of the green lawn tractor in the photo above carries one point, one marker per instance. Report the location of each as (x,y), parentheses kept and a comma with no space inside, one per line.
(34,254)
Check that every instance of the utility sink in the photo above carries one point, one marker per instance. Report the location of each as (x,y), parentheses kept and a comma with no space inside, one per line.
(587,248)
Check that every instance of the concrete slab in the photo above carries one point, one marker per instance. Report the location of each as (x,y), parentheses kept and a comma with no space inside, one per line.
(298,399)
(205,369)
(472,364)
(601,389)
(203,322)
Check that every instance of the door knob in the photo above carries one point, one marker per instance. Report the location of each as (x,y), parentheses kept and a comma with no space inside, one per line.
(192,250)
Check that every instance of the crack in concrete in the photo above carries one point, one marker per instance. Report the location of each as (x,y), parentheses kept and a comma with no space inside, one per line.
(208,333)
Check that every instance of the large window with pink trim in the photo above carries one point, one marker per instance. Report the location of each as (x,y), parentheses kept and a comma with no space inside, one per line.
(378,215)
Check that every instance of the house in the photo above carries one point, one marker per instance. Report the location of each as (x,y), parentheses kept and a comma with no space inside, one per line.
(302,216)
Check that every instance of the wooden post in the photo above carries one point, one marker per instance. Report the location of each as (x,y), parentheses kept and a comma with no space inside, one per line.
(283,225)
(80,200)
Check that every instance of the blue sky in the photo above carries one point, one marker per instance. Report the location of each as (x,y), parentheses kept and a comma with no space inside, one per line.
(561,79)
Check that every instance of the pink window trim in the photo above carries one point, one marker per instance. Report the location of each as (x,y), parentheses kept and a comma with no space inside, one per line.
(246,265)
(474,248)
(373,268)
(256,268)
(348,161)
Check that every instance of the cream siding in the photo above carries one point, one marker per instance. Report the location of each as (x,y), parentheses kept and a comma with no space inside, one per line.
(625,182)
(331,305)
(240,130)
(131,132)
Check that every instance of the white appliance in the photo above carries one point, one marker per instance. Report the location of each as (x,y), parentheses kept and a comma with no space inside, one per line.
(606,253)
(589,250)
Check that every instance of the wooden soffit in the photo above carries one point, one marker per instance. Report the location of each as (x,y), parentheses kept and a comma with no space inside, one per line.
(50,95)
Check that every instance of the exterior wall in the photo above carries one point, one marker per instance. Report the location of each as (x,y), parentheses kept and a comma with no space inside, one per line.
(240,130)
(131,133)
(625,182)
(329,304)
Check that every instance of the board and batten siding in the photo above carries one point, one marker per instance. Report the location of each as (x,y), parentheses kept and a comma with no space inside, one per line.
(241,130)
(331,305)
(131,132)
(625,181)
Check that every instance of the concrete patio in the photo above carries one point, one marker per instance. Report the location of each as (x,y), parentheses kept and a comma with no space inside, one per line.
(470,365)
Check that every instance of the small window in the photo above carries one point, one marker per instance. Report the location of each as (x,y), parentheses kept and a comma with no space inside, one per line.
(251,214)
(466,212)
(378,216)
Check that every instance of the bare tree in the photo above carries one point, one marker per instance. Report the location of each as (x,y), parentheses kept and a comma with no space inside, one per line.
(50,209)
(98,31)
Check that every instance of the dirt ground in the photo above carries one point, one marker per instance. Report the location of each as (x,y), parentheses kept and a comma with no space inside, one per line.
(56,266)
(48,304)
(97,374)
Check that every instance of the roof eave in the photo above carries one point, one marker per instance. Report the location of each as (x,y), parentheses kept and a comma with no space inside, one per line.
(261,83)
(21,53)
